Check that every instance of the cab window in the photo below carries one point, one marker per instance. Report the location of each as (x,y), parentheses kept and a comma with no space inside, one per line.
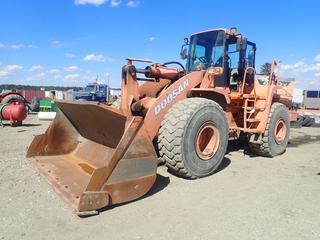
(206,49)
(250,55)
(234,56)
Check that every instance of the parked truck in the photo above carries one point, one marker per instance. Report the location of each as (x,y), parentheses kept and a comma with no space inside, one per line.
(96,91)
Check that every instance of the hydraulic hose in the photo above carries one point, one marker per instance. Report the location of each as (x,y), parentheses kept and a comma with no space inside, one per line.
(174,62)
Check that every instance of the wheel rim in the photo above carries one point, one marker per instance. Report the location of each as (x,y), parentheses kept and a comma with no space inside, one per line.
(280,131)
(207,141)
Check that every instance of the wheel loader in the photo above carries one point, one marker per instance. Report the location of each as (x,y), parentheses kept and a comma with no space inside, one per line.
(96,155)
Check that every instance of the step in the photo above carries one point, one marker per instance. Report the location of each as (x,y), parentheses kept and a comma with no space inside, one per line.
(256,108)
(254,120)
(253,97)
(244,129)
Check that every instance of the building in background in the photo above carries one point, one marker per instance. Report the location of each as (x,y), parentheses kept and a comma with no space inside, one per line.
(311,99)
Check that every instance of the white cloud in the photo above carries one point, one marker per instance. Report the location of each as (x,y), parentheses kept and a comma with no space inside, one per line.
(70,55)
(57,77)
(35,68)
(301,67)
(308,68)
(16,46)
(306,73)
(54,71)
(72,68)
(44,75)
(132,3)
(296,65)
(151,39)
(115,3)
(55,42)
(32,46)
(72,77)
(9,70)
(317,58)
(97,58)
(41,76)
(92,2)
(312,68)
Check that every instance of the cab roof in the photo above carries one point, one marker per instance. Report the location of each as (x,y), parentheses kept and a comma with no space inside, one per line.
(227,31)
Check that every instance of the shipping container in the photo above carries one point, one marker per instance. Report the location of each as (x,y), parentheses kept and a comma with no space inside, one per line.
(30,94)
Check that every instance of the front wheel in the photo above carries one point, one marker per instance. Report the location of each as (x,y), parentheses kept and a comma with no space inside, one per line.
(193,137)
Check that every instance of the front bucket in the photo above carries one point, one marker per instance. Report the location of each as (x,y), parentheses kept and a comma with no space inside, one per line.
(94,156)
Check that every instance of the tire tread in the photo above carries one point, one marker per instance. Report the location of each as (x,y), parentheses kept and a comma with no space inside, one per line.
(171,133)
(263,149)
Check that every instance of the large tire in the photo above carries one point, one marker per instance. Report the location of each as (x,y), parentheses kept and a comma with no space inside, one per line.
(310,122)
(306,120)
(13,98)
(271,145)
(184,135)
(298,123)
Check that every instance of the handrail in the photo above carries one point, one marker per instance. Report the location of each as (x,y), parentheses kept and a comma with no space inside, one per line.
(245,77)
(272,78)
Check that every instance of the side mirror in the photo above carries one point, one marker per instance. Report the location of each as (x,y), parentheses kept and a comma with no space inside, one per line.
(241,44)
(184,49)
(183,52)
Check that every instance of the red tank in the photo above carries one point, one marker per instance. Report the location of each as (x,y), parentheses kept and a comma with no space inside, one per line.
(15,112)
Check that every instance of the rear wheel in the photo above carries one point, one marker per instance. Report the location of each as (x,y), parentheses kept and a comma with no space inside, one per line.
(276,136)
(193,137)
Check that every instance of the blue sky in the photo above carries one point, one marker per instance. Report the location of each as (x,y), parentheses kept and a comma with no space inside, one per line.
(70,42)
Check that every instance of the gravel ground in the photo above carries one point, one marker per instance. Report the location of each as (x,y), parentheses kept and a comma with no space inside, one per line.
(249,198)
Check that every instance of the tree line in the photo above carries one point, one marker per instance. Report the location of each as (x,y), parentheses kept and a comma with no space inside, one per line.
(31,87)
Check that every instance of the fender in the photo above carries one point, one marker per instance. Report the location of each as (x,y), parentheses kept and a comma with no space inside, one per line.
(218,95)
(177,91)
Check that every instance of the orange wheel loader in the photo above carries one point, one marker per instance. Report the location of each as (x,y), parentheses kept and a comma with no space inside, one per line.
(95,155)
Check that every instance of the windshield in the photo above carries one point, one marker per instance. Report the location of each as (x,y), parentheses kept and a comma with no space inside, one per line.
(90,88)
(206,49)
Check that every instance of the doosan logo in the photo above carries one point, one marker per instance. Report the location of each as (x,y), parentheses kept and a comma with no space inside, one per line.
(171,96)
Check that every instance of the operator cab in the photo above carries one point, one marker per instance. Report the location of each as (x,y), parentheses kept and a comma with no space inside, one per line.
(220,48)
